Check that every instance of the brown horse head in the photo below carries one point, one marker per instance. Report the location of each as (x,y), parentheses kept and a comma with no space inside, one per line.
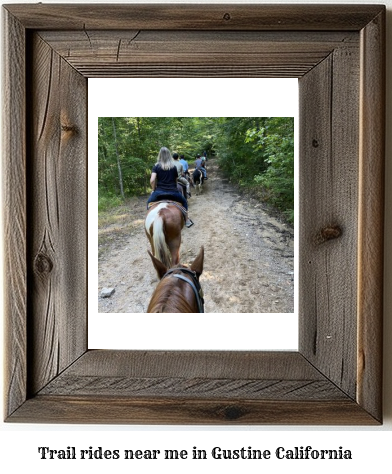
(179,290)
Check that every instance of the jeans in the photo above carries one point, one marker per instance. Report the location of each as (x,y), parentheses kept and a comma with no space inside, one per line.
(170,195)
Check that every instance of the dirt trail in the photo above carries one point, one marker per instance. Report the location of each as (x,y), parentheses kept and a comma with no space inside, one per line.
(248,260)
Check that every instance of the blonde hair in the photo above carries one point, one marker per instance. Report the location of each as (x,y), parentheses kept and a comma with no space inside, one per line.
(165,159)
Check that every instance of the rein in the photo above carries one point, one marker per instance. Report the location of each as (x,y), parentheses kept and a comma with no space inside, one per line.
(194,283)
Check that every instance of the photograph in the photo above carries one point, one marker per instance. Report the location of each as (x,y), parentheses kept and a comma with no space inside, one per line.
(212,194)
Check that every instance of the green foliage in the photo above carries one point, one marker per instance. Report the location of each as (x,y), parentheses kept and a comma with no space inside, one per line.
(276,142)
(257,153)
(238,157)
(136,176)
(107,201)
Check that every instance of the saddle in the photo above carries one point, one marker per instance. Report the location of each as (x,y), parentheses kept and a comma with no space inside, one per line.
(174,203)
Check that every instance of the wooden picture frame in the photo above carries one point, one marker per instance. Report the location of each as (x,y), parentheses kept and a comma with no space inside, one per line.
(338,54)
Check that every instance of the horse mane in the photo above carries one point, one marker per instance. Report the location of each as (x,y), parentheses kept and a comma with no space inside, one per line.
(169,298)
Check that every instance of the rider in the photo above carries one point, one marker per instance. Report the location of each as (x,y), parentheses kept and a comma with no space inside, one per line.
(181,174)
(164,181)
(185,165)
(200,165)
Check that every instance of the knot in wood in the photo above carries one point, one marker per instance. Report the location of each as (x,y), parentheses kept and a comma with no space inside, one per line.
(315,143)
(328,233)
(232,413)
(227,16)
(68,128)
(43,264)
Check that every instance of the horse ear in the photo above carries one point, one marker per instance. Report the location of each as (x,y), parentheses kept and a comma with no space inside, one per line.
(197,265)
(158,265)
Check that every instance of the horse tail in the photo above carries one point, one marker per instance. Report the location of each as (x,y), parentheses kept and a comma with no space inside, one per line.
(161,250)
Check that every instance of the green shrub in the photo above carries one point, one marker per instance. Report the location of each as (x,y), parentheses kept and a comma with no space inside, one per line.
(106,202)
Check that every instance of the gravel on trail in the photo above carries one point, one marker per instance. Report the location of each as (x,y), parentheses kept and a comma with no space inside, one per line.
(248,253)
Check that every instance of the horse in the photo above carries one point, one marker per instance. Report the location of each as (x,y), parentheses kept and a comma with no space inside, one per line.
(179,290)
(163,225)
(188,177)
(198,180)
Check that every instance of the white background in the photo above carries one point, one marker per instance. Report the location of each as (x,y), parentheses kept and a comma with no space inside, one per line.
(188,98)
(370,445)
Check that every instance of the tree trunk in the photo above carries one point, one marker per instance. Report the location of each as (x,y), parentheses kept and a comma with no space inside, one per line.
(118,161)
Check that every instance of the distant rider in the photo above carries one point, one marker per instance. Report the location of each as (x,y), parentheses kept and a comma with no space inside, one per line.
(181,174)
(200,165)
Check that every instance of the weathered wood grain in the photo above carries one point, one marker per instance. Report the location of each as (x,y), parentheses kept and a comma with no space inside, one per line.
(14,209)
(329,167)
(117,44)
(335,378)
(208,364)
(213,70)
(187,387)
(195,53)
(205,374)
(194,387)
(194,17)
(371,215)
(57,205)
(102,409)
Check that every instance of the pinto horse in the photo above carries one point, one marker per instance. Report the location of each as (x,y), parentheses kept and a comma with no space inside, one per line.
(198,180)
(163,225)
(179,290)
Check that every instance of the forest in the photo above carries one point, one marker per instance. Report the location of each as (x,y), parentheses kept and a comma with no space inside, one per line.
(254,153)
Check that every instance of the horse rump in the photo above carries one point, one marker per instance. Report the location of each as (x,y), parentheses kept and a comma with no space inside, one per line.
(198,180)
(163,226)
